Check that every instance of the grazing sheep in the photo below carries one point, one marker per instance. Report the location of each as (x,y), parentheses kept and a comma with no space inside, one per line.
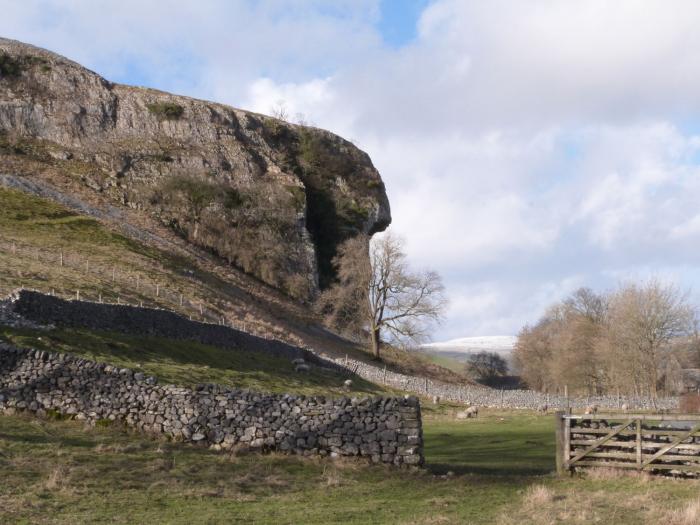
(436,400)
(543,408)
(302,367)
(347,384)
(625,407)
(591,410)
(472,411)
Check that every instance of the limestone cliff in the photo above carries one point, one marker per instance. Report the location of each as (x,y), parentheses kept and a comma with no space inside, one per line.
(272,198)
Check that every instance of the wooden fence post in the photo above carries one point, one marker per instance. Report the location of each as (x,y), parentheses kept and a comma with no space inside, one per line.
(560,436)
(639,444)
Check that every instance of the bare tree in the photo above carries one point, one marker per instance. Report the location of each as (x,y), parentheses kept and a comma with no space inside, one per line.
(643,321)
(279,110)
(631,340)
(379,294)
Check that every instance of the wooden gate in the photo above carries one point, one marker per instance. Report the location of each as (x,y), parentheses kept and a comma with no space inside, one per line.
(650,442)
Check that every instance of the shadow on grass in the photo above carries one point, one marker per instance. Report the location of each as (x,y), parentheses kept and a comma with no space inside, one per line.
(186,362)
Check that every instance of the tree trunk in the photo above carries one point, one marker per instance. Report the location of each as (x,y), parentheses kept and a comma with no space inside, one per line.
(374,336)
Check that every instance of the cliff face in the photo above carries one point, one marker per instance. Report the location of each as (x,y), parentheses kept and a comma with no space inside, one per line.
(272,198)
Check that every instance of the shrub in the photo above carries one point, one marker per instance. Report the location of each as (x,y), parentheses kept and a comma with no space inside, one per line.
(10,66)
(166,110)
(374,184)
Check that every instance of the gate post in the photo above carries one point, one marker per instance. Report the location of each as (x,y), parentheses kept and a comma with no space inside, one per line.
(560,437)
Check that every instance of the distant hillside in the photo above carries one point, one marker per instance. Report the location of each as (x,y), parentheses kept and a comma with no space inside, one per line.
(501,344)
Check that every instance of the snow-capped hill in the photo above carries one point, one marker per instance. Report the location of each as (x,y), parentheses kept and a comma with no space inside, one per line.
(501,344)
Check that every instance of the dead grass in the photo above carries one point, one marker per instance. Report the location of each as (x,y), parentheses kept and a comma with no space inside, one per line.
(537,496)
(57,479)
(607,474)
(688,514)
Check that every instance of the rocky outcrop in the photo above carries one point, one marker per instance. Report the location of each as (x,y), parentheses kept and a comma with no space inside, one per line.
(382,430)
(272,198)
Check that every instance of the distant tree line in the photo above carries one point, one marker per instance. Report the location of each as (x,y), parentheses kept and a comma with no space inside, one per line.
(634,340)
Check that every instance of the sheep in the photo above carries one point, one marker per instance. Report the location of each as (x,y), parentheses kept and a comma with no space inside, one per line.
(543,408)
(347,384)
(302,367)
(436,400)
(462,415)
(472,411)
(591,410)
(625,407)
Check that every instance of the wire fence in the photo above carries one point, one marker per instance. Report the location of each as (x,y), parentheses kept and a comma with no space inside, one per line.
(108,282)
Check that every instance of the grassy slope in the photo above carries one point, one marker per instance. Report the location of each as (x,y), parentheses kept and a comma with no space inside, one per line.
(41,229)
(187,363)
(57,472)
(447,362)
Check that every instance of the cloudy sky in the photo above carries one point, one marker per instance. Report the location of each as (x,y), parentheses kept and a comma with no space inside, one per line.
(528,147)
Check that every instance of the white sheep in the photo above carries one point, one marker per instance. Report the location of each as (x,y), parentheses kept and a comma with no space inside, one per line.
(591,410)
(436,400)
(347,384)
(543,408)
(472,411)
(625,407)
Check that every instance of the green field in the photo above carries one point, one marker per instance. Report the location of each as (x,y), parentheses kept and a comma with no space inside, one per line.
(61,472)
(495,469)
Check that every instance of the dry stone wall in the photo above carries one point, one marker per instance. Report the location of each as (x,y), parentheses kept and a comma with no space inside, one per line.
(382,430)
(39,308)
(489,397)
(46,309)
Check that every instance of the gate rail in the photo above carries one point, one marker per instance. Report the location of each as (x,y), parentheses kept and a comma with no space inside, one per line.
(645,442)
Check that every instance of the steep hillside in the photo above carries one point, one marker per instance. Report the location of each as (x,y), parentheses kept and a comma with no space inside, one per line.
(49,247)
(160,200)
(271,198)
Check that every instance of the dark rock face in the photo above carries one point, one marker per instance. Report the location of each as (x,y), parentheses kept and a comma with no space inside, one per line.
(382,430)
(272,198)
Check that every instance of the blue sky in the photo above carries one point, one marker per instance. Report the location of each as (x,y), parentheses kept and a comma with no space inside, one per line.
(528,148)
(397,21)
